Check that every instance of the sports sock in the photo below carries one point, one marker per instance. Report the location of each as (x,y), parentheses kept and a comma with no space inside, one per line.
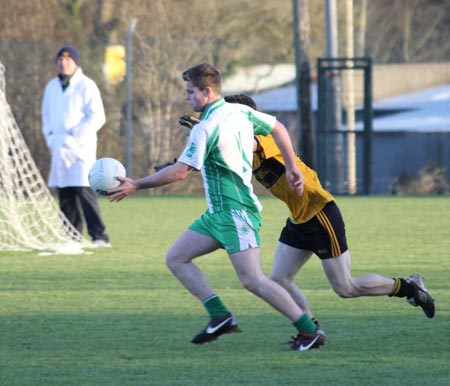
(214,306)
(402,289)
(305,324)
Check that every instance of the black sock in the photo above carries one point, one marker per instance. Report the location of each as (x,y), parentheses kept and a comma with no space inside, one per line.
(402,289)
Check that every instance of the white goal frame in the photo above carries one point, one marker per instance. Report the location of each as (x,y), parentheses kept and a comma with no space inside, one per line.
(30,218)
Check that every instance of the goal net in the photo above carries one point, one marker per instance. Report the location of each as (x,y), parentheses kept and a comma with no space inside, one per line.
(30,218)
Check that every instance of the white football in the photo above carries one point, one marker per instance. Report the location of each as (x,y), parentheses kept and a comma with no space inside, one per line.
(103,175)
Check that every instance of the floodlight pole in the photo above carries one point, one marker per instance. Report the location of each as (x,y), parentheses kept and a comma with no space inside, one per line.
(128,111)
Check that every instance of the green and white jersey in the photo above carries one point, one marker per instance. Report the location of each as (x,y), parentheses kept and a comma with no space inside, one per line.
(221,146)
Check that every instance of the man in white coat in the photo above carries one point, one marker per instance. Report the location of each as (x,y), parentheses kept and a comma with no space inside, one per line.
(72,113)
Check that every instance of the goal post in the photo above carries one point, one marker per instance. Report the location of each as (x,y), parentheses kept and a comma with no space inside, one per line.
(30,218)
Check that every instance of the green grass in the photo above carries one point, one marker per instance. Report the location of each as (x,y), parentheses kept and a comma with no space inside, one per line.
(118,317)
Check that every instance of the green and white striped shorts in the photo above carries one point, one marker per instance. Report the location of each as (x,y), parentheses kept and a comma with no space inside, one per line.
(236,229)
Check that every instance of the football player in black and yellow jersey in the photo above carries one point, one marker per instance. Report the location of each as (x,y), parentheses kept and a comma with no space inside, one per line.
(315,226)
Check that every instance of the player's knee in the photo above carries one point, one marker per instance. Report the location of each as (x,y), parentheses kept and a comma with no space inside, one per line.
(273,276)
(169,262)
(172,261)
(344,292)
(250,283)
(281,280)
(344,287)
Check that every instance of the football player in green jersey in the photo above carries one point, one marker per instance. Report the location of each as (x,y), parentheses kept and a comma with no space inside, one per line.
(221,147)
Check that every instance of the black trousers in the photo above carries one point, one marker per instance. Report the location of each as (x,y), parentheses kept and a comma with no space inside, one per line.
(74,201)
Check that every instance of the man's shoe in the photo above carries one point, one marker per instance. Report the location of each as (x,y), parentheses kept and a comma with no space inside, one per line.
(305,341)
(421,296)
(217,326)
(319,328)
(319,331)
(102,244)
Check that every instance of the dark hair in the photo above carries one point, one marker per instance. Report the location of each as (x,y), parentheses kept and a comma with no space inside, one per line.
(204,75)
(243,99)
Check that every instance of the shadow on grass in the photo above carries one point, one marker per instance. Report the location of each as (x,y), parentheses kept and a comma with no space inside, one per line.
(147,349)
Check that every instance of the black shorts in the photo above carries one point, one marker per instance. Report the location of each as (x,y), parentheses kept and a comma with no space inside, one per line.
(324,234)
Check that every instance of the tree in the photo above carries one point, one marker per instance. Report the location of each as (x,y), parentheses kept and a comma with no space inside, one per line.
(172,35)
(303,80)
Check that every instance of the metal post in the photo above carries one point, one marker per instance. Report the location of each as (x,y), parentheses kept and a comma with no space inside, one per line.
(128,111)
(321,120)
(349,99)
(368,130)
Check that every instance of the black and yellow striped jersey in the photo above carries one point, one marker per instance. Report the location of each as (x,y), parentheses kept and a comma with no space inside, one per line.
(268,168)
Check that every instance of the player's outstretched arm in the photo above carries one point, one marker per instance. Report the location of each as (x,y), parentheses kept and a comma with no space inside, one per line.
(293,173)
(168,175)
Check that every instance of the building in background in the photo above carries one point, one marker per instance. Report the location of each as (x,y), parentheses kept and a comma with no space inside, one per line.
(411,121)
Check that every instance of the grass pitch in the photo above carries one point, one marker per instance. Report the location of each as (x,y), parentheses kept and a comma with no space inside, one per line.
(118,317)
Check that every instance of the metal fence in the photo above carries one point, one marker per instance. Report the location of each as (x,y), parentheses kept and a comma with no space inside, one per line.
(344,124)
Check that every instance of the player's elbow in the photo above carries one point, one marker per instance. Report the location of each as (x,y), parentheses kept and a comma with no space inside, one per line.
(180,171)
(180,175)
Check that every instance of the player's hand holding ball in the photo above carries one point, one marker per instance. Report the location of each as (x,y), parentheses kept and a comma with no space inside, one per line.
(104,175)
(107,178)
(127,186)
